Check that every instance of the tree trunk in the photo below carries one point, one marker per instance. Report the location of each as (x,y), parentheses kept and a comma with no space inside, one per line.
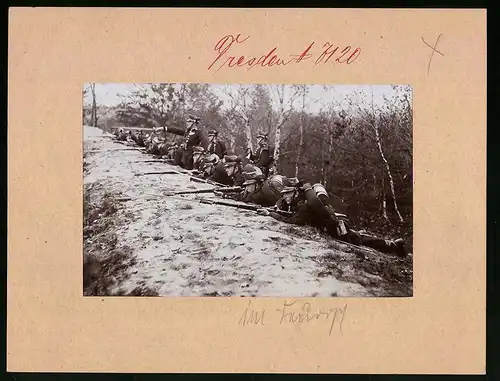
(248,134)
(384,201)
(232,140)
(322,165)
(277,143)
(301,133)
(94,107)
(330,152)
(389,175)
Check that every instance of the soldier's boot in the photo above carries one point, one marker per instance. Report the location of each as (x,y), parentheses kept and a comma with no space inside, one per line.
(398,247)
(178,158)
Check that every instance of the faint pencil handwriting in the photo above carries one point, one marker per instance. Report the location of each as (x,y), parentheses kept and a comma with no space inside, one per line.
(293,312)
(252,316)
(303,313)
(434,50)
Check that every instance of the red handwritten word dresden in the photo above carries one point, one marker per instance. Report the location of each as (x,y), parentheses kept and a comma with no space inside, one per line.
(226,58)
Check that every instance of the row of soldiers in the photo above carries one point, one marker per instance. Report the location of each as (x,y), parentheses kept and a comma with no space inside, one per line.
(285,199)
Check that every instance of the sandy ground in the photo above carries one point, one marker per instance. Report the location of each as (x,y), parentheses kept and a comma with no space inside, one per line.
(180,247)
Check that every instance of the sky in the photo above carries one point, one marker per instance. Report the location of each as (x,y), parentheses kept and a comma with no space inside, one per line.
(318,96)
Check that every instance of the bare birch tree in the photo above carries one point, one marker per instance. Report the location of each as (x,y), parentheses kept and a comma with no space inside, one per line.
(284,106)
(239,108)
(93,114)
(303,89)
(373,122)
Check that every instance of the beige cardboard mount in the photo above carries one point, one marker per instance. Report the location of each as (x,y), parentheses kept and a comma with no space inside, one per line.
(52,327)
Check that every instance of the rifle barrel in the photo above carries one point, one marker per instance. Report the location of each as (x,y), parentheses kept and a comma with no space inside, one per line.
(158,173)
(204,181)
(234,205)
(190,191)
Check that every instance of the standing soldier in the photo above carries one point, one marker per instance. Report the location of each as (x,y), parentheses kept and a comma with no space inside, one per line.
(193,136)
(263,156)
(215,145)
(308,209)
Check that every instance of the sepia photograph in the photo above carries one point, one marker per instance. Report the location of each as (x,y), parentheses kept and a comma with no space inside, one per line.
(247,190)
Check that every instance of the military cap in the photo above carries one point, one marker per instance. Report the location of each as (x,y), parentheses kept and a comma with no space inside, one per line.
(198,149)
(260,176)
(262,134)
(250,169)
(231,160)
(192,118)
(213,133)
(249,182)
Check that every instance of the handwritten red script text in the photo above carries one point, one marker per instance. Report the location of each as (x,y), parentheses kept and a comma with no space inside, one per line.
(327,53)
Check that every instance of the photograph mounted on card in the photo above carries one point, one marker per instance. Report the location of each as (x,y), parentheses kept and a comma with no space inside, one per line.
(268,190)
(186,182)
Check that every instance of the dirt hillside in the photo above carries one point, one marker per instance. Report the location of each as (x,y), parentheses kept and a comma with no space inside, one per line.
(176,246)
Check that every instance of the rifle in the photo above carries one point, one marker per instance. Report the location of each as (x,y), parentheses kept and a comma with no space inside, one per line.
(112,149)
(157,173)
(195,191)
(254,208)
(211,182)
(149,161)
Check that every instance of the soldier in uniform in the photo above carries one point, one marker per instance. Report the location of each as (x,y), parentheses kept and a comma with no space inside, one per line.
(215,145)
(193,136)
(198,160)
(262,191)
(121,135)
(154,147)
(234,170)
(140,139)
(263,156)
(209,164)
(226,171)
(307,203)
(171,150)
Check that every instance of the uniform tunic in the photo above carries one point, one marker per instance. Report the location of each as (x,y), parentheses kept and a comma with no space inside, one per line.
(304,214)
(263,158)
(218,147)
(184,157)
(267,194)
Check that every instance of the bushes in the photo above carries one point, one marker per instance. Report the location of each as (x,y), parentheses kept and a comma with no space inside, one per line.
(105,263)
